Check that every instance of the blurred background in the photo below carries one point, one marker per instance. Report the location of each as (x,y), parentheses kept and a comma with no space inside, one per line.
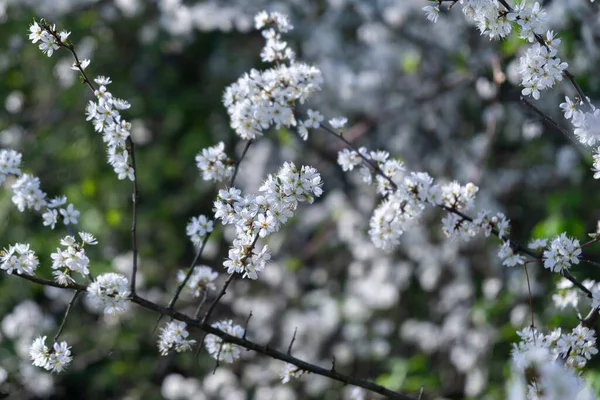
(434,313)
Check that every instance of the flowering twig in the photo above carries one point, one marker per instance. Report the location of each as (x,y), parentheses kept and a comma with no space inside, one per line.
(240,341)
(201,248)
(61,41)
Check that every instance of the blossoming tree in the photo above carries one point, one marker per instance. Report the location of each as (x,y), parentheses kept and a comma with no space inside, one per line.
(289,97)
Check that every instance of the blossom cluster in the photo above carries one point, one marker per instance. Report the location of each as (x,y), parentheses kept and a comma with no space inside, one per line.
(55,360)
(105,113)
(562,253)
(263,99)
(214,163)
(221,350)
(173,336)
(71,258)
(575,348)
(26,192)
(198,228)
(567,295)
(547,364)
(540,67)
(106,117)
(20,259)
(202,279)
(10,163)
(109,293)
(586,125)
(256,216)
(48,43)
(407,194)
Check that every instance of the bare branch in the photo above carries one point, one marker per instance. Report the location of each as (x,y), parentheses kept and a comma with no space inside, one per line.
(289,350)
(64,320)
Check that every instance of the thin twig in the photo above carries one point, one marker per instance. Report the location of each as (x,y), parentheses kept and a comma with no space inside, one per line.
(221,294)
(530,297)
(552,122)
(237,165)
(246,325)
(289,350)
(134,199)
(190,272)
(203,296)
(64,320)
(217,358)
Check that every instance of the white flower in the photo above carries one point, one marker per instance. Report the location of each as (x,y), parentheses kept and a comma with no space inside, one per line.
(10,161)
(82,64)
(50,218)
(72,259)
(261,19)
(59,358)
(173,336)
(198,228)
(348,159)
(265,224)
(202,279)
(109,293)
(338,123)
(509,257)
(18,258)
(562,252)
(538,244)
(35,32)
(70,214)
(102,80)
(48,44)
(214,163)
(56,360)
(289,372)
(39,352)
(569,108)
(88,238)
(216,347)
(27,193)
(432,13)
(314,119)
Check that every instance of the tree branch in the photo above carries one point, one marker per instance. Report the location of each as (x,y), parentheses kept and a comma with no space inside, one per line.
(243,342)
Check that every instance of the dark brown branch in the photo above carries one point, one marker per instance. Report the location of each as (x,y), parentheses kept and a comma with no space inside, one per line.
(243,342)
(269,351)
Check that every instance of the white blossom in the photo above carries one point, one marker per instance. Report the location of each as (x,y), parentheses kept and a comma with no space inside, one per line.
(173,336)
(216,347)
(19,258)
(109,293)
